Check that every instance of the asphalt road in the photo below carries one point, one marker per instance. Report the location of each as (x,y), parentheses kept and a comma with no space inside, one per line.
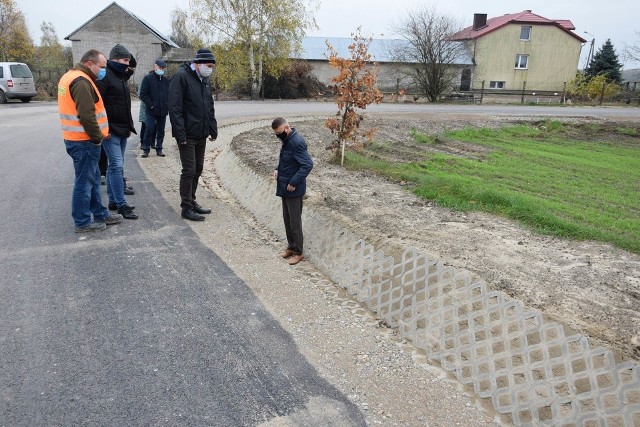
(142,324)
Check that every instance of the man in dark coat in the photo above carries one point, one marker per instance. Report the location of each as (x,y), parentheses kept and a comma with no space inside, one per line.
(114,90)
(193,120)
(291,176)
(154,93)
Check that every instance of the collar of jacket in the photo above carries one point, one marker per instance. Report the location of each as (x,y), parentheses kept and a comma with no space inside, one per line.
(293,132)
(86,70)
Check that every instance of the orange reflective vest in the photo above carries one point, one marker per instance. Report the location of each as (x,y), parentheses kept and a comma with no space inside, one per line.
(72,129)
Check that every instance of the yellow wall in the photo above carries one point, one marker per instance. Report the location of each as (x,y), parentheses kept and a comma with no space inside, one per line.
(553,58)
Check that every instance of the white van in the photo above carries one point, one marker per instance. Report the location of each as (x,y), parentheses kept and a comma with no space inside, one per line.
(16,82)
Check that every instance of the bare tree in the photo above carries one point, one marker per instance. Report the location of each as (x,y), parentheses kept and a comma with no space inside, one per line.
(180,33)
(430,56)
(632,52)
(266,29)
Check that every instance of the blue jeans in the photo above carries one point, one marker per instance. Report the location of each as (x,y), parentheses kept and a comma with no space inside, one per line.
(86,198)
(154,129)
(115,147)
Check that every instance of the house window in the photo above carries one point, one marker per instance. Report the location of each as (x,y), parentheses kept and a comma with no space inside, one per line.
(525,33)
(496,85)
(522,61)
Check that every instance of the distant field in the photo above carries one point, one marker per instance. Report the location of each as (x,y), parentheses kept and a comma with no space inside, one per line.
(579,181)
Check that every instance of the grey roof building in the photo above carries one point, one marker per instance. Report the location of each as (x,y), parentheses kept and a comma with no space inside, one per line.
(115,24)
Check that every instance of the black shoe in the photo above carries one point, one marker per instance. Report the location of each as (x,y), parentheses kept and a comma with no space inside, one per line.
(145,154)
(114,207)
(127,212)
(160,153)
(192,215)
(199,209)
(153,147)
(129,191)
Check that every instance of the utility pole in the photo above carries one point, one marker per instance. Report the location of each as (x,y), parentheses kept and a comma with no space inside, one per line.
(590,54)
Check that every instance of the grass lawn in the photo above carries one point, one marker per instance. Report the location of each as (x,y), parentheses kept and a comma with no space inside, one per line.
(572,181)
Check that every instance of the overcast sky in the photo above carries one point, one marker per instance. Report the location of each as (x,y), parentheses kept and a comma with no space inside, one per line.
(618,20)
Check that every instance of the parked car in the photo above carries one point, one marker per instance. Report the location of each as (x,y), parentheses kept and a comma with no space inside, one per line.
(16,82)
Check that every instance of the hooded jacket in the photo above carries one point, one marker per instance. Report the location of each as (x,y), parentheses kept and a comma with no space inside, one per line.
(294,165)
(116,95)
(191,108)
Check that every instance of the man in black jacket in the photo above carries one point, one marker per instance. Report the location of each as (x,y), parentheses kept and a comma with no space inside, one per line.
(193,120)
(114,90)
(154,93)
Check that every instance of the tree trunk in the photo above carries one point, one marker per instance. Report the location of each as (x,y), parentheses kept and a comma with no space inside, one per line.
(254,77)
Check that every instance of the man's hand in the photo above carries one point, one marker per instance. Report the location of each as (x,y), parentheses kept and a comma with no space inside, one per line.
(275,174)
(291,187)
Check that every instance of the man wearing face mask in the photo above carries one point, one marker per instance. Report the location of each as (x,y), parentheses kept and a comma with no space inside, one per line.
(84,126)
(294,166)
(114,89)
(154,93)
(193,120)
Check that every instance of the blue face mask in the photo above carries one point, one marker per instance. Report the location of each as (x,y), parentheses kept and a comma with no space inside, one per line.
(102,73)
(160,72)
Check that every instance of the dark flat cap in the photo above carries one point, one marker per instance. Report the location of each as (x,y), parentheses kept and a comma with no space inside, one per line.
(161,63)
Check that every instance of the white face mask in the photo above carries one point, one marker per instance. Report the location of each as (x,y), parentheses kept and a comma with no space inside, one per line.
(204,70)
(160,72)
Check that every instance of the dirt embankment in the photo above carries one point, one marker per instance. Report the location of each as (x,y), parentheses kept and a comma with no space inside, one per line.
(591,287)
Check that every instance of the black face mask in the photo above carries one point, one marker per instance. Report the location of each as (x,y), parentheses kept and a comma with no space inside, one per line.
(282,135)
(118,67)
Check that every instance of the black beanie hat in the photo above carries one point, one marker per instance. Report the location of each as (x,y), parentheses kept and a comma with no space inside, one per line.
(204,56)
(119,52)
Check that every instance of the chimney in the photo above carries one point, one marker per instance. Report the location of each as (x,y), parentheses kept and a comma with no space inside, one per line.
(479,20)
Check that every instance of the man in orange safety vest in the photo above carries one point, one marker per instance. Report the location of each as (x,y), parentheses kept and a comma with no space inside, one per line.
(84,126)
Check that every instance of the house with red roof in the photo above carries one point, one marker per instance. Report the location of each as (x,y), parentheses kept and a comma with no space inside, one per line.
(521,50)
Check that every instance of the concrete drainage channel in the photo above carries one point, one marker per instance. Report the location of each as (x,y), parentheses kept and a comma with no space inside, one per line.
(528,367)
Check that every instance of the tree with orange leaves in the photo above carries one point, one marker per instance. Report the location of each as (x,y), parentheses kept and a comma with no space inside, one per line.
(354,89)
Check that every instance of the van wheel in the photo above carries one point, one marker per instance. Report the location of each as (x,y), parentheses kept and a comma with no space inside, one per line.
(25,99)
(3,98)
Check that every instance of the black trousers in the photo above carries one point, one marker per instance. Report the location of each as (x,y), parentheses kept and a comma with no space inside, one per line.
(292,214)
(192,159)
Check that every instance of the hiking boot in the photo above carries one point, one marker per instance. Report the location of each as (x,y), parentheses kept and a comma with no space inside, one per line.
(287,253)
(114,207)
(127,212)
(296,259)
(145,154)
(111,219)
(160,153)
(94,226)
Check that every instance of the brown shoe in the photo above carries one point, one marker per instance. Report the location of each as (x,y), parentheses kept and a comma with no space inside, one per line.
(287,253)
(296,259)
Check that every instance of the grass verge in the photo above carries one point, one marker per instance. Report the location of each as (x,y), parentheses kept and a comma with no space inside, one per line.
(579,182)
